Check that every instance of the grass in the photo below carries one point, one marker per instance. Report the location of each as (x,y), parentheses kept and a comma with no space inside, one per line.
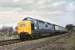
(69,41)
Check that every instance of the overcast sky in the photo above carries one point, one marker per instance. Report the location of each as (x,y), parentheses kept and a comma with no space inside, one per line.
(60,12)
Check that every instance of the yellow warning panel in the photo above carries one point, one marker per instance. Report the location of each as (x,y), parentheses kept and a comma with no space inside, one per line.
(24,26)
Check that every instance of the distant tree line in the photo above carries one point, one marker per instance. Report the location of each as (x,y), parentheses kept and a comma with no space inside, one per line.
(7,30)
(70,27)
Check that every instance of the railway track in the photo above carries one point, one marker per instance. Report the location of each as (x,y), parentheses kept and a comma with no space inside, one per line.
(50,41)
(8,42)
(32,44)
(40,45)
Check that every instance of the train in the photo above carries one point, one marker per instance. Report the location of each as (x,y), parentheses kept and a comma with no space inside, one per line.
(29,28)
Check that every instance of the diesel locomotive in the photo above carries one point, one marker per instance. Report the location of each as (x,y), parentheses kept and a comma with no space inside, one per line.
(30,28)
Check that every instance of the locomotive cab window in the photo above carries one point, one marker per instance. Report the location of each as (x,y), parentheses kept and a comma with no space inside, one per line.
(32,26)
